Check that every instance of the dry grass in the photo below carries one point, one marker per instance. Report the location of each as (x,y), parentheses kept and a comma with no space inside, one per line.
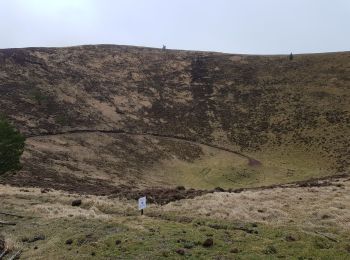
(305,207)
(322,214)
(57,204)
(148,161)
(327,206)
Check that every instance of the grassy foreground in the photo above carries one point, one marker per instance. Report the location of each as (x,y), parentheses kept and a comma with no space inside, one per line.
(101,228)
(149,238)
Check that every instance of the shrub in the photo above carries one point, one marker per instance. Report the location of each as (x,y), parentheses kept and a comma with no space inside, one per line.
(39,97)
(219,189)
(11,147)
(180,188)
(270,249)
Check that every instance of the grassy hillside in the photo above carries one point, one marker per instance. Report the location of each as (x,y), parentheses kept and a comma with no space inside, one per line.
(291,116)
(105,125)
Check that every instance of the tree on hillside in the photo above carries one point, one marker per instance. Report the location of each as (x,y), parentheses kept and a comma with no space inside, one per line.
(11,147)
(291,56)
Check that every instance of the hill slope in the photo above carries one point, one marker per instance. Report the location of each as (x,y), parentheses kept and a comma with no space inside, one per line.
(142,117)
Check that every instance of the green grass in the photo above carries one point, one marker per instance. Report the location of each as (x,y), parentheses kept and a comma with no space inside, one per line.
(157,238)
(222,169)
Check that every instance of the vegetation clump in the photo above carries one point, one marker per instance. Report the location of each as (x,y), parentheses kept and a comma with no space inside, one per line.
(76,203)
(270,249)
(180,188)
(208,242)
(180,251)
(11,147)
(39,97)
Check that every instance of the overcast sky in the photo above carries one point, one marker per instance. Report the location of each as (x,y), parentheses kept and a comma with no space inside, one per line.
(234,26)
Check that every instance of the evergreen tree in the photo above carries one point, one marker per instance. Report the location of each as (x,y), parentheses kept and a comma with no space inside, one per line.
(11,147)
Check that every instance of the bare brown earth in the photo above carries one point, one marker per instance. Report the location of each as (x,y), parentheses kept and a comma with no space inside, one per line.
(100,118)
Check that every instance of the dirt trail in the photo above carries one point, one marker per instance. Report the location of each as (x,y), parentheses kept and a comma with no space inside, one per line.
(156,194)
(251,161)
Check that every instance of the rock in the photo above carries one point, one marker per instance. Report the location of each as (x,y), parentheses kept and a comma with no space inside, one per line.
(45,190)
(69,241)
(76,203)
(118,242)
(208,242)
(180,251)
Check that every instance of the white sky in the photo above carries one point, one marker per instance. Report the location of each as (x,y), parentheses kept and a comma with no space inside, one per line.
(234,26)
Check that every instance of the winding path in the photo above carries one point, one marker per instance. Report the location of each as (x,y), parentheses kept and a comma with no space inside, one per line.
(251,161)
